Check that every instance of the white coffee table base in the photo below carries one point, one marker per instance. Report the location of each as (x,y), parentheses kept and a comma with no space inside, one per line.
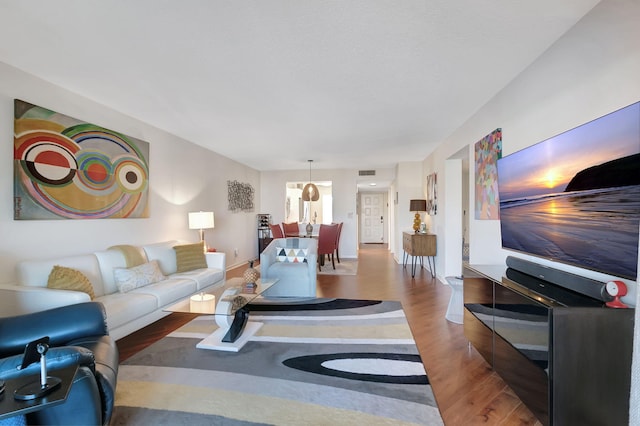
(214,341)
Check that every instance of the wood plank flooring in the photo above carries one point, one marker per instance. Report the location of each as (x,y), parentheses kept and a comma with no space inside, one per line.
(468,392)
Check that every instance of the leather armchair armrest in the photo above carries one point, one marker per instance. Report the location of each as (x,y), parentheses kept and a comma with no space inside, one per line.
(82,406)
(57,358)
(62,325)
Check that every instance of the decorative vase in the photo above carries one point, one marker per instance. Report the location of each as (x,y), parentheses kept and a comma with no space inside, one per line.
(250,275)
(309,228)
(416,223)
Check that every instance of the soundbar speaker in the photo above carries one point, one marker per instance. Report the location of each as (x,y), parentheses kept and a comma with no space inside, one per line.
(579,284)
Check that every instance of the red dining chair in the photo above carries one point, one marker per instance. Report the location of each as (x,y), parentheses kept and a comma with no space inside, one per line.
(276,231)
(291,229)
(337,253)
(327,243)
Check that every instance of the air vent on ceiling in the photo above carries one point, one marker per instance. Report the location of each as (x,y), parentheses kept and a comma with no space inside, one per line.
(367,173)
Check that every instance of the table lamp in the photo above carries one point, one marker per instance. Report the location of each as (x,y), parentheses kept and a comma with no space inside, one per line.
(201,221)
(417,206)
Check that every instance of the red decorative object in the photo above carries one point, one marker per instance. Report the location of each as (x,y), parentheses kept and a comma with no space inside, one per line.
(617,289)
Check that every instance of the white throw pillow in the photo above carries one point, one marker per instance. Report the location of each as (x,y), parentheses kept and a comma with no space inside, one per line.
(128,279)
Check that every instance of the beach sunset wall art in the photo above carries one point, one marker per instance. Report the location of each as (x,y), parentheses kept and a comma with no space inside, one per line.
(65,168)
(487,150)
(575,198)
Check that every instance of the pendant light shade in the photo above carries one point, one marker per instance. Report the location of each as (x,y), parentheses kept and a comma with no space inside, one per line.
(310,191)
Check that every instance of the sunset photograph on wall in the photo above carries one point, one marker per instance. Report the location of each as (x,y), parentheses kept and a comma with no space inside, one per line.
(574,198)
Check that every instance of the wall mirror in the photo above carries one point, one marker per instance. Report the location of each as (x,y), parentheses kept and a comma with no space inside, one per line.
(315,212)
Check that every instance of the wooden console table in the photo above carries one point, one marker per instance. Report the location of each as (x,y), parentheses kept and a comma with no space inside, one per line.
(419,245)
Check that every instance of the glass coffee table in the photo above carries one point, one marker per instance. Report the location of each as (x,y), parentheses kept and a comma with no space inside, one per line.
(227,304)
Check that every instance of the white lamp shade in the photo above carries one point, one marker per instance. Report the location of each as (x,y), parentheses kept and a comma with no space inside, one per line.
(203,303)
(200,220)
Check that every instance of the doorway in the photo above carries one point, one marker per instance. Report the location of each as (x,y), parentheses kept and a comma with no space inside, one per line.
(457,218)
(372,217)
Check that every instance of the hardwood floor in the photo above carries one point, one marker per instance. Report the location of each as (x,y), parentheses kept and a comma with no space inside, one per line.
(468,392)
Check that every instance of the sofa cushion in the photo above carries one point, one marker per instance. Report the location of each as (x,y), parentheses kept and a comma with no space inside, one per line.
(128,279)
(133,255)
(64,278)
(203,277)
(109,260)
(284,271)
(169,291)
(291,255)
(164,254)
(190,257)
(122,308)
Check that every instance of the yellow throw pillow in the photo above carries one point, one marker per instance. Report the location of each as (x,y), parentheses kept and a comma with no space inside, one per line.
(64,278)
(190,257)
(133,255)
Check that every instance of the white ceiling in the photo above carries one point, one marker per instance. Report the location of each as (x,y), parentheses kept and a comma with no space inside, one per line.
(272,83)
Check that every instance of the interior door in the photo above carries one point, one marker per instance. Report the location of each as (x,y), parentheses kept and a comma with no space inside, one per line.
(372,217)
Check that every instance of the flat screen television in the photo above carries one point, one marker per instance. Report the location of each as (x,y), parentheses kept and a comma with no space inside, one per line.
(575,198)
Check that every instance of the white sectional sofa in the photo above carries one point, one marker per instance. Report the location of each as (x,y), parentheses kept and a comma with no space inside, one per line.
(126,312)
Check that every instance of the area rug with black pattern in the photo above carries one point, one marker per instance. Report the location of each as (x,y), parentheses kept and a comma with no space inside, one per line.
(313,362)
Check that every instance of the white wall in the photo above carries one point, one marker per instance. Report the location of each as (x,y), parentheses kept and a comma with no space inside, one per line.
(592,70)
(451,246)
(183,177)
(409,186)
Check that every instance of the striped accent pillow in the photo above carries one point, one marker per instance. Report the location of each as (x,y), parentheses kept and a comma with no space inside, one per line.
(190,257)
(291,255)
(64,278)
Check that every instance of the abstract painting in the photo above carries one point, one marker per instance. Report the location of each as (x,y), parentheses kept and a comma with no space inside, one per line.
(65,168)
(488,151)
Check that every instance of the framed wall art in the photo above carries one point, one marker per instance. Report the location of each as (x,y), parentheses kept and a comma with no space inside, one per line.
(240,196)
(432,194)
(65,168)
(488,150)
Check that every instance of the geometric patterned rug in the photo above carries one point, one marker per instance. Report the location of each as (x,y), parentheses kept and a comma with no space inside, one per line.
(314,362)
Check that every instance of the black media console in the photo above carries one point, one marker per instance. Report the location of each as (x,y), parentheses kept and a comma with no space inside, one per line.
(566,355)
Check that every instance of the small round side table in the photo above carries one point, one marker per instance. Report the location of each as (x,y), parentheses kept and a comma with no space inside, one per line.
(455,311)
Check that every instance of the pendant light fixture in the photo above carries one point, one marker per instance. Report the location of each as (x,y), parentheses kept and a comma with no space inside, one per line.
(310,191)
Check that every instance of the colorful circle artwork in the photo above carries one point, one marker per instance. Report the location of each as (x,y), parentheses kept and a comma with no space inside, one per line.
(67,169)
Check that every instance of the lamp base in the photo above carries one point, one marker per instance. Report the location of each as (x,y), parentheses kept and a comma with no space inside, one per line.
(416,223)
